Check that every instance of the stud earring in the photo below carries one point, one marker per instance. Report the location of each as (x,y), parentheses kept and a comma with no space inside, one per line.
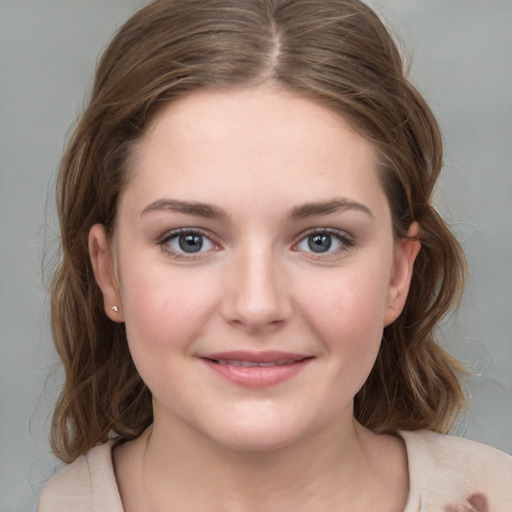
(114,308)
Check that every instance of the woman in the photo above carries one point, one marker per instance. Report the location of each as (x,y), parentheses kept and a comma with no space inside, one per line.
(252,272)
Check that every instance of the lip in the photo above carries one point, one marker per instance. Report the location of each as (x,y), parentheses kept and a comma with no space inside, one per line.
(256,369)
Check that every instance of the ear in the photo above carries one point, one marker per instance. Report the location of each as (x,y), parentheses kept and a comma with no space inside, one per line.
(102,261)
(405,255)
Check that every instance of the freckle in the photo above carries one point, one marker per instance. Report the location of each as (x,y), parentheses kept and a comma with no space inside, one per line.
(479,502)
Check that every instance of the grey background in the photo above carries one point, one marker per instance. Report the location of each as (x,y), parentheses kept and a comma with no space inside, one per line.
(462,61)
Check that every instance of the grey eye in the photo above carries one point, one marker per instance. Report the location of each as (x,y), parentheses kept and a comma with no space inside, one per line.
(191,242)
(320,242)
(324,241)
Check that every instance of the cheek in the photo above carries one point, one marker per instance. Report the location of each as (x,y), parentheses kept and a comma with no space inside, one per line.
(348,298)
(346,311)
(164,309)
(164,316)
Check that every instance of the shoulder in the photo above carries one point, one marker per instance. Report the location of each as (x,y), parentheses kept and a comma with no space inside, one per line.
(87,485)
(455,474)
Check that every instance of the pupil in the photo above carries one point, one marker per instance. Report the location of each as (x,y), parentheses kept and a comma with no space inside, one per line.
(191,243)
(319,243)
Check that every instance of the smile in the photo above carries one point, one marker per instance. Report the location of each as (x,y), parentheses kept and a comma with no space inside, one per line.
(256,369)
(250,364)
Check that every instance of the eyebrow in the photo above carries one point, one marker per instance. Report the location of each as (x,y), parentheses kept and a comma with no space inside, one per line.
(327,207)
(209,211)
(205,210)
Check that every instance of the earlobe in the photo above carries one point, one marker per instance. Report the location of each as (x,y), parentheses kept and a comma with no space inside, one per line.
(405,255)
(102,261)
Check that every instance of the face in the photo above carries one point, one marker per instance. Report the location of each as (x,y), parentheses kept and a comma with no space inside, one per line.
(254,265)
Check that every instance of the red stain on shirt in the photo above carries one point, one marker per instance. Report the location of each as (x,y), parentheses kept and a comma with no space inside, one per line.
(477,502)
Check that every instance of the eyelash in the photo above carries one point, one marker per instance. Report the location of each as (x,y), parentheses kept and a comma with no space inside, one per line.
(176,233)
(345,240)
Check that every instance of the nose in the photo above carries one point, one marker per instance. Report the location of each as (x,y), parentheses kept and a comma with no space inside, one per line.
(256,295)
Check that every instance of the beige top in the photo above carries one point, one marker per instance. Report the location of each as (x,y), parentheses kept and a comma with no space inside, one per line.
(446,474)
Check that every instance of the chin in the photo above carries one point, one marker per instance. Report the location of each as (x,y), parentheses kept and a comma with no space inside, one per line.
(261,433)
(261,441)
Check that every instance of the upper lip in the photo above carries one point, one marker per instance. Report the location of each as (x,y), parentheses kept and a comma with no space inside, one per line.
(269,356)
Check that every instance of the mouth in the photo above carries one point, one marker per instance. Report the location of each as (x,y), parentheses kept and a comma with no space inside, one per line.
(256,369)
(250,364)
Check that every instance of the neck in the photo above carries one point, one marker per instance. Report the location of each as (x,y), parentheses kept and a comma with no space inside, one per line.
(182,467)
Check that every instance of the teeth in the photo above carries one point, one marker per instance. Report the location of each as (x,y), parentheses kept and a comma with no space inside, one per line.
(250,364)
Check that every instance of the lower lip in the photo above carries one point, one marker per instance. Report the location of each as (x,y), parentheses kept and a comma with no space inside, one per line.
(257,376)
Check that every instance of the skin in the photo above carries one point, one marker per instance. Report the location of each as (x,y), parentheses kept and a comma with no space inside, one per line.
(259,156)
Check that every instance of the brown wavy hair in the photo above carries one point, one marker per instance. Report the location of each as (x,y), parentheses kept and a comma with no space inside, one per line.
(335,52)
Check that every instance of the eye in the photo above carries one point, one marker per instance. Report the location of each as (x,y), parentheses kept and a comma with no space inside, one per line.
(324,241)
(185,242)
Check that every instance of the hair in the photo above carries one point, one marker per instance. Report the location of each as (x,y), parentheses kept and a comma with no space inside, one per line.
(335,52)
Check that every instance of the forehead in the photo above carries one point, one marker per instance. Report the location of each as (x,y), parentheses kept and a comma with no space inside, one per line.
(253,143)
(273,118)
